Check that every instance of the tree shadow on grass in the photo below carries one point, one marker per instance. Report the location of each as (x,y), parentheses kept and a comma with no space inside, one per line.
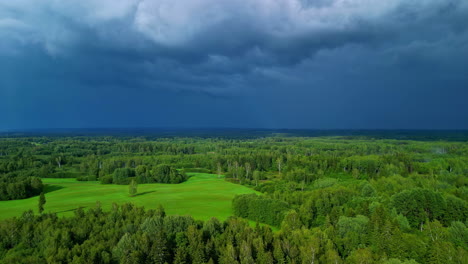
(52,188)
(143,193)
(70,210)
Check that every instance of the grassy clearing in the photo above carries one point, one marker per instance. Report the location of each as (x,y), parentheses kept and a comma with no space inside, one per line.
(203,196)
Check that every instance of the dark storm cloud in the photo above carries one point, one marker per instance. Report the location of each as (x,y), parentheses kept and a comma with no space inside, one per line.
(306,55)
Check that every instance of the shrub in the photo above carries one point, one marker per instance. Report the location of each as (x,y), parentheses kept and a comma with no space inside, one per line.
(107,179)
(92,178)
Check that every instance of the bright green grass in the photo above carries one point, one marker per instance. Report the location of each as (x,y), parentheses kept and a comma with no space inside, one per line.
(203,196)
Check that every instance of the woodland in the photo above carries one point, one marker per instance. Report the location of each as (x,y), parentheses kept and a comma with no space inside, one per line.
(324,199)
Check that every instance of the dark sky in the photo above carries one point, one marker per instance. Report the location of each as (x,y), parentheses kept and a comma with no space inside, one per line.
(323,64)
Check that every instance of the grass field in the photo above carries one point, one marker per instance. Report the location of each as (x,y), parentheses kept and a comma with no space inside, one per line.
(202,196)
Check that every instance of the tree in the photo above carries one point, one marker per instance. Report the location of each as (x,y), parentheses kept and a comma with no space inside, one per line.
(245,254)
(419,204)
(456,210)
(42,201)
(361,256)
(236,170)
(260,208)
(59,161)
(158,251)
(458,234)
(219,170)
(248,169)
(291,221)
(124,248)
(141,173)
(278,162)
(355,173)
(160,211)
(164,173)
(256,176)
(121,175)
(132,188)
(228,255)
(352,231)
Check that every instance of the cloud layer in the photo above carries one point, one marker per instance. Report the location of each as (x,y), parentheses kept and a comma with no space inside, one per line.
(323,50)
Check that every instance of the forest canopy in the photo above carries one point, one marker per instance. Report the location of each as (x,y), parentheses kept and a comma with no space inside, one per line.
(345,199)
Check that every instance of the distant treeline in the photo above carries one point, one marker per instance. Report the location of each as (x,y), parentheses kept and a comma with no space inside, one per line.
(232,133)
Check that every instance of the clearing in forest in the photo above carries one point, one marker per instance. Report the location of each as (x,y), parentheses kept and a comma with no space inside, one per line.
(202,196)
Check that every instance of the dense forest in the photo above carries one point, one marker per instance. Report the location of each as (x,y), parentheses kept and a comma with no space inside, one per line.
(334,199)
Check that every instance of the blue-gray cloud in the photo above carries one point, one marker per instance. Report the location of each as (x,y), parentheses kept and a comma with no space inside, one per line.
(293,63)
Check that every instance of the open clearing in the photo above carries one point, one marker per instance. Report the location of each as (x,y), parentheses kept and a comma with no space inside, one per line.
(203,196)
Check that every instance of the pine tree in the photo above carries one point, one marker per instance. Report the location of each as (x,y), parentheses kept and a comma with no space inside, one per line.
(159,248)
(42,201)
(246,253)
(228,255)
(278,252)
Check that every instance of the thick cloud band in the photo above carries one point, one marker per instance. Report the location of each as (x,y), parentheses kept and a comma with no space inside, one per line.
(233,48)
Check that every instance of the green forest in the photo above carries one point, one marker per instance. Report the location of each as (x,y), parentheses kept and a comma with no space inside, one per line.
(310,199)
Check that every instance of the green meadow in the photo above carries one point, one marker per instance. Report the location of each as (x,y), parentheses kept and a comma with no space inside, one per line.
(202,196)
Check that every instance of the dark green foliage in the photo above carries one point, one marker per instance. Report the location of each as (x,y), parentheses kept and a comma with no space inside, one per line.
(345,199)
(197,170)
(106,179)
(160,174)
(456,210)
(325,202)
(14,187)
(41,203)
(141,170)
(458,234)
(419,205)
(65,174)
(46,171)
(259,208)
(352,233)
(167,174)
(122,175)
(128,234)
(82,178)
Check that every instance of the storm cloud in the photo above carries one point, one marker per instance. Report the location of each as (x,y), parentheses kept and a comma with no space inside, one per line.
(249,63)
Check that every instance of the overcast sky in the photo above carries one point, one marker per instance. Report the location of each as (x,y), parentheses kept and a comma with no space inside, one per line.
(324,64)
